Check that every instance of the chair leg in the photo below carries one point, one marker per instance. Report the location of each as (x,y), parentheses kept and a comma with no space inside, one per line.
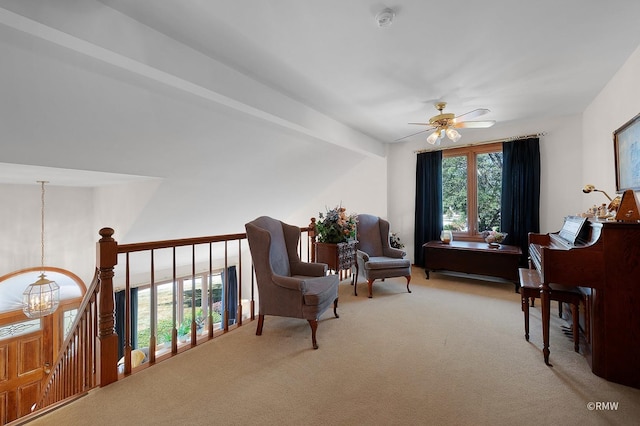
(408,277)
(314,327)
(260,324)
(576,326)
(335,308)
(586,303)
(525,309)
(370,285)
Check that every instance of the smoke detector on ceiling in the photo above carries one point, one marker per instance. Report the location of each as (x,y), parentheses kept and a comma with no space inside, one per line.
(385,17)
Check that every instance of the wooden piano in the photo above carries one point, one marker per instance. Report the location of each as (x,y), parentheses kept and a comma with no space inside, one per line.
(604,259)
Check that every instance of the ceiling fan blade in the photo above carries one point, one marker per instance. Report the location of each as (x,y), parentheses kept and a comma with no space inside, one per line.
(413,134)
(423,124)
(475,124)
(473,114)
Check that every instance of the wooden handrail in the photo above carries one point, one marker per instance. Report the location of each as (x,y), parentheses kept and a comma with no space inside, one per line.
(77,352)
(155,245)
(89,354)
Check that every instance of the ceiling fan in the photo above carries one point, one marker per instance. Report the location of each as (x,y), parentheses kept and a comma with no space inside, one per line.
(447,123)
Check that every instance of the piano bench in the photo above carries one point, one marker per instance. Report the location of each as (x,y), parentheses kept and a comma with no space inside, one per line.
(530,285)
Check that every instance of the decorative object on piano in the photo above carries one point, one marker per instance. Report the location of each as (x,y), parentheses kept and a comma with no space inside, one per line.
(494,237)
(626,148)
(628,210)
(446,236)
(336,226)
(603,211)
(394,241)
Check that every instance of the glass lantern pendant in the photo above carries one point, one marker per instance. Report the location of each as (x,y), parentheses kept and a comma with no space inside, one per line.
(42,297)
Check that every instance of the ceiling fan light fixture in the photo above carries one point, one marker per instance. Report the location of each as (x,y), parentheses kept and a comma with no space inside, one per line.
(433,137)
(444,124)
(453,134)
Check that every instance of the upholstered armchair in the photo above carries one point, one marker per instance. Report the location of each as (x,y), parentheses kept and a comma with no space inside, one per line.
(376,258)
(288,287)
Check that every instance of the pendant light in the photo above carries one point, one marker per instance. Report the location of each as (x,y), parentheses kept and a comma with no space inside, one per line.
(42,297)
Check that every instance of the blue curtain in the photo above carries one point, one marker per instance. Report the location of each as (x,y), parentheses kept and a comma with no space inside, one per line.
(230,294)
(520,212)
(428,221)
(120,319)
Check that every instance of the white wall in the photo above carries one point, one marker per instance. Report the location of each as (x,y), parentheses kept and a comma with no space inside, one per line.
(69,232)
(617,103)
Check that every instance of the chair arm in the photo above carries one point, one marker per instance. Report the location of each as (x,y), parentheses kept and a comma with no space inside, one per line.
(394,252)
(362,255)
(289,283)
(309,269)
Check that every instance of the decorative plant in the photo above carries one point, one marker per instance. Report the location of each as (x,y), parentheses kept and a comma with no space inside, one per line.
(395,242)
(336,226)
(493,236)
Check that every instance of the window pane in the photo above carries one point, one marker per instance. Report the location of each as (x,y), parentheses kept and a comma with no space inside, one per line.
(20,328)
(192,296)
(164,327)
(216,295)
(454,193)
(68,317)
(489,168)
(144,317)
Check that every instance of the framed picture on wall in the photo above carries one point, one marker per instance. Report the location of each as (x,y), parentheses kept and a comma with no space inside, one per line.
(626,146)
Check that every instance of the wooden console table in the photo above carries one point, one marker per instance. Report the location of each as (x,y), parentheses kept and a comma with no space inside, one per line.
(473,258)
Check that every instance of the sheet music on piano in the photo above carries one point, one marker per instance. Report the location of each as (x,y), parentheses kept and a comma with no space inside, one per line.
(575,231)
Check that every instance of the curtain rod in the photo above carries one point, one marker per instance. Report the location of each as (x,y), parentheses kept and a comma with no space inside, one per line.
(509,139)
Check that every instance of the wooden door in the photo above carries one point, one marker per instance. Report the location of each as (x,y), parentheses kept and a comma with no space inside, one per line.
(21,367)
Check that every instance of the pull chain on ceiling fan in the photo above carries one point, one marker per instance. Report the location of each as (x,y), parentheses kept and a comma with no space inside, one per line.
(447,123)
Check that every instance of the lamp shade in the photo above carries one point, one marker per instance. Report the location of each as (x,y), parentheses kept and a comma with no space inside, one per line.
(41,298)
(453,134)
(433,137)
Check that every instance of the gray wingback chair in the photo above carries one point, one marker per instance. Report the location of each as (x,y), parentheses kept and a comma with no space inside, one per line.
(288,287)
(376,258)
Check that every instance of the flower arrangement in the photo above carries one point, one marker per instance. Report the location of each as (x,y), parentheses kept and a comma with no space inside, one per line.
(336,226)
(394,241)
(494,236)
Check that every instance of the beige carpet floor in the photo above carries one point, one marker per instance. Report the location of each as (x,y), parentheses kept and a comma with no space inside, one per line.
(450,353)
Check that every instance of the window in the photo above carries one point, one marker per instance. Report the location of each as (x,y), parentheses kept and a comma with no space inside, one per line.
(471,189)
(186,298)
(68,317)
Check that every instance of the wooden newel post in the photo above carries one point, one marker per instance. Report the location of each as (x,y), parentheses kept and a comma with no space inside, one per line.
(107,258)
(312,237)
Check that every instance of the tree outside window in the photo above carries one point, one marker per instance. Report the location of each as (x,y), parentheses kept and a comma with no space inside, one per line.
(471,189)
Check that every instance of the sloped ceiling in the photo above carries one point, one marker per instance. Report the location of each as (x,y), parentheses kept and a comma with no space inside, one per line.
(520,59)
(322,71)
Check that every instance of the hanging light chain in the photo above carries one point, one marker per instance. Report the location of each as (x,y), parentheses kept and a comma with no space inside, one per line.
(42,182)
